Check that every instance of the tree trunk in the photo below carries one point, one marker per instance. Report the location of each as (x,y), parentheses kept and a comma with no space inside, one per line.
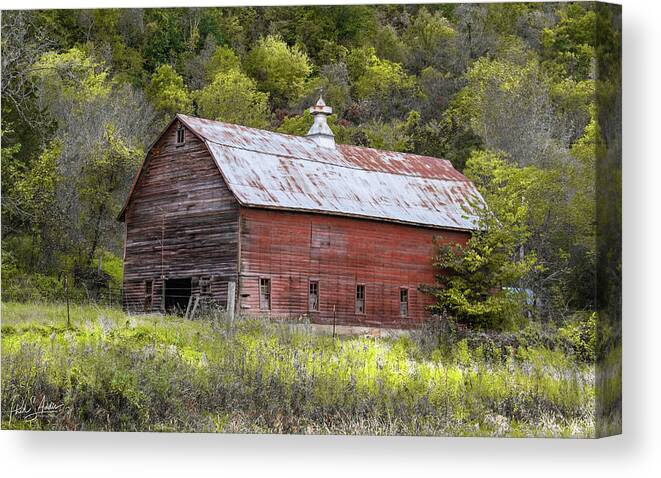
(97,233)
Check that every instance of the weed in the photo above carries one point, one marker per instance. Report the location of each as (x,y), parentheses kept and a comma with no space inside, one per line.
(114,372)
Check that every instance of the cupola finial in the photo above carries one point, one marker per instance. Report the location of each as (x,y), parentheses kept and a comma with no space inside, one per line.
(320,132)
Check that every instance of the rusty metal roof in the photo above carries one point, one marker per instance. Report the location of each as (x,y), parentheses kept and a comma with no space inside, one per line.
(278,171)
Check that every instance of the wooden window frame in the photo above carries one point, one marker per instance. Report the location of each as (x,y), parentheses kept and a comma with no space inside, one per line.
(360,287)
(181,133)
(312,282)
(267,281)
(404,304)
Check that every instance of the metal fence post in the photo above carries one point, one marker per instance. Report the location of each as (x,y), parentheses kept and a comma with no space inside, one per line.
(66,295)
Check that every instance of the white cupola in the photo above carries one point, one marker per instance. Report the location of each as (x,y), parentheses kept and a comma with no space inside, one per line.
(320,132)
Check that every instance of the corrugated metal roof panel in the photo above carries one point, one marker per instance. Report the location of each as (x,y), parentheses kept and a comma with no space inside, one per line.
(272,170)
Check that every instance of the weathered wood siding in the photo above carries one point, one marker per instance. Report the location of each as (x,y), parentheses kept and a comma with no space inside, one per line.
(182,196)
(339,252)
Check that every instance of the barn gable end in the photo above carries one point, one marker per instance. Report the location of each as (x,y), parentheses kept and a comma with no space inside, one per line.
(181,226)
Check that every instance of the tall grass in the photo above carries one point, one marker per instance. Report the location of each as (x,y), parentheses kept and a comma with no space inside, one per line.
(115,372)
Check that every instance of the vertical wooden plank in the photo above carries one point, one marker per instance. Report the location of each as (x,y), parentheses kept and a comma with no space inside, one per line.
(195,304)
(231,297)
(190,301)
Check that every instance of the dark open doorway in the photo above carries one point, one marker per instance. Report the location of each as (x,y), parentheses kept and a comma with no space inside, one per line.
(177,294)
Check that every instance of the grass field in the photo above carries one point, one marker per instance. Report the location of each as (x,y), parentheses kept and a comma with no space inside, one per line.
(111,371)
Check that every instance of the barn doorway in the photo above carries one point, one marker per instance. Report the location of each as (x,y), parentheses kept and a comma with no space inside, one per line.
(177,295)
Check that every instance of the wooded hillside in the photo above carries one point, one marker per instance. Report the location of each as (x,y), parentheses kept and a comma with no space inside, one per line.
(507,92)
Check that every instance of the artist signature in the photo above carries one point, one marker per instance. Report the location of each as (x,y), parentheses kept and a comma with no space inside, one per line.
(33,409)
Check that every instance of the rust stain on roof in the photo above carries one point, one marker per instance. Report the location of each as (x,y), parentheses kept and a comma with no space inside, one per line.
(279,171)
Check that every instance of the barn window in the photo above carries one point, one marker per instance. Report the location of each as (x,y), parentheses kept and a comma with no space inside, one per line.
(264,294)
(313,303)
(360,299)
(205,286)
(404,302)
(148,294)
(181,134)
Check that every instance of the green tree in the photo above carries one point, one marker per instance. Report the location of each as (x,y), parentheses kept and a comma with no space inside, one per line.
(36,197)
(389,45)
(168,93)
(431,40)
(233,97)
(571,43)
(101,188)
(573,101)
(222,60)
(83,173)
(321,31)
(507,103)
(279,69)
(164,36)
(477,283)
(581,176)
(371,74)
(383,88)
(70,75)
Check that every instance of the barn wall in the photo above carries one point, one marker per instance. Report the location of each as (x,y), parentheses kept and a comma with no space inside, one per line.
(293,248)
(182,195)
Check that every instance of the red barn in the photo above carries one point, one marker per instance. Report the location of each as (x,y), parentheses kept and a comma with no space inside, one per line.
(299,225)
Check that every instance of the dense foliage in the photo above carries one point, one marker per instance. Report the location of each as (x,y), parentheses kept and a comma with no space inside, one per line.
(507,92)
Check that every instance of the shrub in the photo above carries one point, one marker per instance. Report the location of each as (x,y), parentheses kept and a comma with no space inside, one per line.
(579,336)
(440,331)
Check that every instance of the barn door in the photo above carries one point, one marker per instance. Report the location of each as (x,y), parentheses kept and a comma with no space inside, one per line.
(177,295)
